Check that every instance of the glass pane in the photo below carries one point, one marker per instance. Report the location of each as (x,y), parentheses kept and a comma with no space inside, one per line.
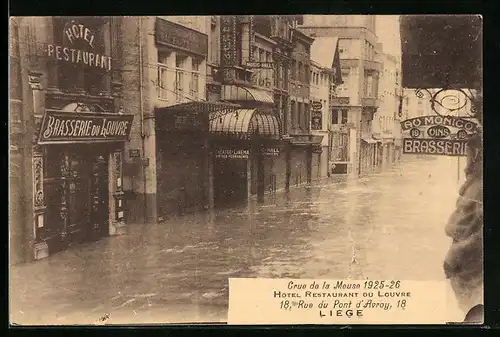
(335,116)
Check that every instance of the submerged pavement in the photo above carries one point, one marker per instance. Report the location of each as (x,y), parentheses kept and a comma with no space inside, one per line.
(389,225)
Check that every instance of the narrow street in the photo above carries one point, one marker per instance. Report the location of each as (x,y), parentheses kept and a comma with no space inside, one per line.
(388,225)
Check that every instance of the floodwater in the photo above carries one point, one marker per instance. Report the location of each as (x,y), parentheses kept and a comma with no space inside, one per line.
(389,225)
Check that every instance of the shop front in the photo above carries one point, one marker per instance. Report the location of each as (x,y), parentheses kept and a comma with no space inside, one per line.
(77,178)
(368,157)
(248,155)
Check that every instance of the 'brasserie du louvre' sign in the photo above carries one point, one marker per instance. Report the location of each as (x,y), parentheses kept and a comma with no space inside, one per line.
(77,40)
(70,127)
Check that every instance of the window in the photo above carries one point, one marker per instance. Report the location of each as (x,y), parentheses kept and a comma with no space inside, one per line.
(345,116)
(343,89)
(300,76)
(180,62)
(300,115)
(214,41)
(335,116)
(293,120)
(293,70)
(306,117)
(162,81)
(195,78)
(282,76)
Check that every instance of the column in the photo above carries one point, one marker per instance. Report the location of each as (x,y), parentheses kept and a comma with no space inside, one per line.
(309,163)
(36,198)
(249,176)
(209,174)
(115,194)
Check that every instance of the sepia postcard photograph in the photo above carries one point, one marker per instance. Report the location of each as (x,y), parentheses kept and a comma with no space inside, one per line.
(246,170)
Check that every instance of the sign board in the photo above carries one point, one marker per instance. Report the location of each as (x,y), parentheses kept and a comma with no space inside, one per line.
(59,127)
(181,37)
(441,147)
(134,153)
(79,48)
(270,151)
(259,65)
(437,135)
(232,153)
(316,120)
(316,106)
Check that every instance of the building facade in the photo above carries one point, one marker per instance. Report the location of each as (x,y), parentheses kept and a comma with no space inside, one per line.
(68,132)
(356,103)
(325,76)
(387,121)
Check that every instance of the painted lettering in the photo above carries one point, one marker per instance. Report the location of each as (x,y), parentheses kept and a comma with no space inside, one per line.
(50,50)
(58,52)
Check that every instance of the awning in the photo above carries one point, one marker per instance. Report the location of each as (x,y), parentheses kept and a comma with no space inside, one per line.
(190,116)
(368,140)
(198,106)
(245,123)
(231,92)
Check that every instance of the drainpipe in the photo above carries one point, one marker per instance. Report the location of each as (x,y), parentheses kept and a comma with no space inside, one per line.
(141,108)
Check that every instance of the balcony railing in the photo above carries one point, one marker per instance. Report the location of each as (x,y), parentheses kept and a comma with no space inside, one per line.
(370,102)
(373,65)
(340,101)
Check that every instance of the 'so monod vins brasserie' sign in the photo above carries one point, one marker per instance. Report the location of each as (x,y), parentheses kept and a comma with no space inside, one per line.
(433,135)
(70,127)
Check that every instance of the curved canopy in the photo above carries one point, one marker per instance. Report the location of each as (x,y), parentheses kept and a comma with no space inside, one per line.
(233,92)
(245,123)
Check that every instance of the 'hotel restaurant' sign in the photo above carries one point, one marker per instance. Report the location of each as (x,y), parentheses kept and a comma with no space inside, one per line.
(70,127)
(433,135)
(79,35)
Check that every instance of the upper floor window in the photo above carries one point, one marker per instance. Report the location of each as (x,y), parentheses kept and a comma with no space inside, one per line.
(180,75)
(195,77)
(163,74)
(343,88)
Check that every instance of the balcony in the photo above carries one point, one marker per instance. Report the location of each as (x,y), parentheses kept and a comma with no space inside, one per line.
(372,65)
(370,102)
(340,101)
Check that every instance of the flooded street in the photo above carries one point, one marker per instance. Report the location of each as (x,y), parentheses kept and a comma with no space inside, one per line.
(389,225)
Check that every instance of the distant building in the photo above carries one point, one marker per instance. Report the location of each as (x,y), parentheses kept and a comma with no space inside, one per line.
(387,121)
(325,76)
(356,103)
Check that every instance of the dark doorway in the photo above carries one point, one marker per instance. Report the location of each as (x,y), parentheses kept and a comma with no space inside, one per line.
(230,182)
(76,187)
